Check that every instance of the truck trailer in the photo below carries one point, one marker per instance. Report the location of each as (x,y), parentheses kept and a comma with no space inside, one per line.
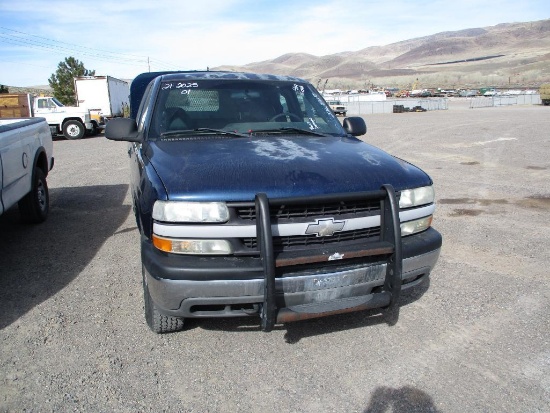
(105,96)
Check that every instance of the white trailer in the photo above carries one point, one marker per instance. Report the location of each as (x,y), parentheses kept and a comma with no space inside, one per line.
(106,97)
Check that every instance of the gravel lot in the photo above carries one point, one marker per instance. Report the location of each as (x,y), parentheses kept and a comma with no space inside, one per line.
(476,340)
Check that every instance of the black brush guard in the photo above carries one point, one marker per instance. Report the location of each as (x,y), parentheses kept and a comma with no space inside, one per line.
(389,245)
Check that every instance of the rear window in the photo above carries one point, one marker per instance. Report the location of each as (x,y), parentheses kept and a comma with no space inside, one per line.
(198,101)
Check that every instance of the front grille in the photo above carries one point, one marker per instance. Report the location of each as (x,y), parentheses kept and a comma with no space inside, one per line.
(296,241)
(354,208)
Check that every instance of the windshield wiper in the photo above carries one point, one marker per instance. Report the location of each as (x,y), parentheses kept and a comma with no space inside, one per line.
(200,131)
(288,129)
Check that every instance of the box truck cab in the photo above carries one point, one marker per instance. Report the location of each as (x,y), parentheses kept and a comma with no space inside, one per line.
(73,122)
(70,121)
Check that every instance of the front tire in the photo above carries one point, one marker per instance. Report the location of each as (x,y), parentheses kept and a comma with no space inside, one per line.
(34,206)
(73,129)
(157,322)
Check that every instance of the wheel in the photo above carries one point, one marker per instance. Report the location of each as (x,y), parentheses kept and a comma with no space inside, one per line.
(290,115)
(73,129)
(157,322)
(95,129)
(34,207)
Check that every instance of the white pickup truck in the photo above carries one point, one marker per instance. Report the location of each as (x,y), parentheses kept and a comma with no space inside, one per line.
(26,157)
(337,107)
(71,121)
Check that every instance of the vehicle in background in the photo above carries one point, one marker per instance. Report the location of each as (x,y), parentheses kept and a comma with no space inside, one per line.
(467,93)
(26,157)
(438,93)
(545,94)
(337,107)
(402,94)
(415,93)
(104,96)
(490,92)
(70,121)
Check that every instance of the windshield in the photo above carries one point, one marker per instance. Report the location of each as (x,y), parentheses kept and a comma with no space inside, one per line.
(241,106)
(57,102)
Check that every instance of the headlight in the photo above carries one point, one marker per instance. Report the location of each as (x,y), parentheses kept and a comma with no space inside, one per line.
(193,246)
(416,226)
(416,196)
(181,211)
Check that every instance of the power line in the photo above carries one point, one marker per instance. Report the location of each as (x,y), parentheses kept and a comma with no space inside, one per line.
(128,56)
(46,44)
(26,64)
(59,49)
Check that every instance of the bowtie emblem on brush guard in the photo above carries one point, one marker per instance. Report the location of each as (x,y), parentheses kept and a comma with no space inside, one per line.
(389,246)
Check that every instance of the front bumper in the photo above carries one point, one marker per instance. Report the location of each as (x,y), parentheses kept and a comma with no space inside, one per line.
(195,287)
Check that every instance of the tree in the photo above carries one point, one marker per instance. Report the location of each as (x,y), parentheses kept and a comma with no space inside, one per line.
(4,89)
(62,81)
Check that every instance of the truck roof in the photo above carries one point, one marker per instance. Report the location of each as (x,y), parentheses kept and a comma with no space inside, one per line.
(139,84)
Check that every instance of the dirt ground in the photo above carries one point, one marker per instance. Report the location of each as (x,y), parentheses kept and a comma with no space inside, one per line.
(476,339)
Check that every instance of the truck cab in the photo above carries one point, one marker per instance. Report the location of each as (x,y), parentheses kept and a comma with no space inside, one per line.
(71,121)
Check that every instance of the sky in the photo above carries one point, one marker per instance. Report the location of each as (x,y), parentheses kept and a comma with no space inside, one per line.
(124,38)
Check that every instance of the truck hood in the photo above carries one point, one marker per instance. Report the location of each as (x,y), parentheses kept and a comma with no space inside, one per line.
(235,169)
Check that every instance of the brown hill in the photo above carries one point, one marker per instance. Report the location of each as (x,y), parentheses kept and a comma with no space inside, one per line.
(35,90)
(509,54)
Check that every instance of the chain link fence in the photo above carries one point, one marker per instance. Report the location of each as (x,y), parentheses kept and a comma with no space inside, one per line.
(387,106)
(491,101)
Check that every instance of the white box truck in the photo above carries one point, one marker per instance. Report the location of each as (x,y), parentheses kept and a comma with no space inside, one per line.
(105,96)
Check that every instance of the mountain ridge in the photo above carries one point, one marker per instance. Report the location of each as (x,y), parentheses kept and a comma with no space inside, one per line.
(507,54)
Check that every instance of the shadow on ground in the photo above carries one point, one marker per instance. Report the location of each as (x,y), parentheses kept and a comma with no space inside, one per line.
(406,399)
(37,261)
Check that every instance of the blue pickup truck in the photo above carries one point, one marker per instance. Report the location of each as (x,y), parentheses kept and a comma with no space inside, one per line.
(252,199)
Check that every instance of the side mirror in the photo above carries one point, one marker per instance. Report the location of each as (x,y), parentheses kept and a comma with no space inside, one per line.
(355,126)
(122,129)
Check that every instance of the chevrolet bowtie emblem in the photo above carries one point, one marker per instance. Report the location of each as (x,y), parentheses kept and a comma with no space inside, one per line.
(325,227)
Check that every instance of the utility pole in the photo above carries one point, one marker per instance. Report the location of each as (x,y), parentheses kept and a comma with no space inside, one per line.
(148,64)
